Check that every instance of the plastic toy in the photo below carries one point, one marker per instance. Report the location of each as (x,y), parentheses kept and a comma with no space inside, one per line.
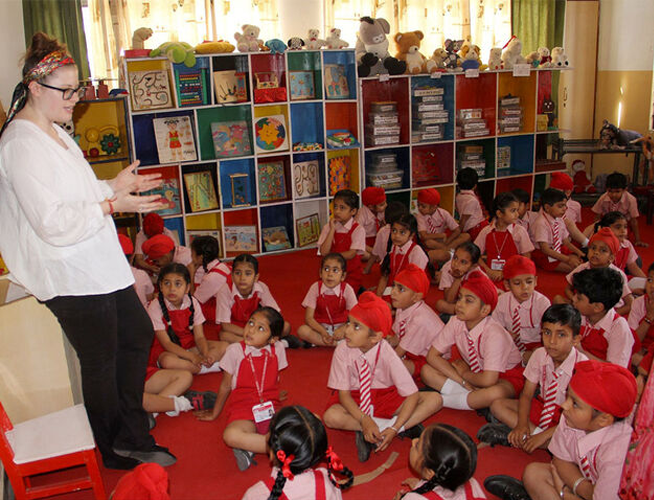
(371,49)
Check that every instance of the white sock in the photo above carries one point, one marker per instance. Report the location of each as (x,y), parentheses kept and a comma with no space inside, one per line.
(457,401)
(181,404)
(452,387)
(209,369)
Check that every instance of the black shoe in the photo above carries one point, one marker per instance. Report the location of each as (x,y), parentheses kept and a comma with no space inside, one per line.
(412,432)
(307,345)
(152,422)
(494,434)
(157,454)
(201,400)
(506,488)
(486,413)
(292,341)
(427,389)
(364,448)
(115,461)
(244,459)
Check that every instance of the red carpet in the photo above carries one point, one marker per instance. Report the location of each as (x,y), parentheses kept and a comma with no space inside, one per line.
(206,469)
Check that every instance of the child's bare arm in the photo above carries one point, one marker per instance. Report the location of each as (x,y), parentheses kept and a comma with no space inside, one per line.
(232,328)
(436,360)
(326,245)
(485,378)
(626,307)
(569,473)
(223,394)
(452,292)
(463,220)
(569,292)
(381,285)
(455,234)
(174,348)
(635,271)
(200,340)
(633,223)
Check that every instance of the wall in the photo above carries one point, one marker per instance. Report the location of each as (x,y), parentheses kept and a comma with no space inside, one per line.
(12,38)
(297,16)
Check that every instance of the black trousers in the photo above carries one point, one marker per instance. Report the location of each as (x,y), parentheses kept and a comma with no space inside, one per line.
(112,335)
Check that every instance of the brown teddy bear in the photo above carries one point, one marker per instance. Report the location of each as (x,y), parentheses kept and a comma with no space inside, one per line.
(408,50)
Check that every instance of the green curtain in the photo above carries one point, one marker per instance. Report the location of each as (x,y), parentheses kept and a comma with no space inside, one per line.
(61,19)
(538,23)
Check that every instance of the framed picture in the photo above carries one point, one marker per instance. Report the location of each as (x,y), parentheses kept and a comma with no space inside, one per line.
(270,134)
(240,197)
(231,139)
(275,238)
(192,234)
(150,90)
(339,173)
(302,85)
(225,85)
(174,138)
(241,239)
(306,179)
(200,191)
(336,86)
(272,181)
(266,80)
(308,230)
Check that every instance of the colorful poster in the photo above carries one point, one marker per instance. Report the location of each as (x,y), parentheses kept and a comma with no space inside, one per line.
(271,134)
(308,230)
(174,136)
(150,90)
(241,239)
(336,86)
(306,179)
(272,181)
(231,139)
(339,174)
(302,85)
(200,191)
(275,238)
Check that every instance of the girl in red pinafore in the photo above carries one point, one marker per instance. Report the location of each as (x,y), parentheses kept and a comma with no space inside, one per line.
(177,319)
(445,458)
(404,251)
(209,274)
(251,381)
(503,238)
(327,304)
(626,259)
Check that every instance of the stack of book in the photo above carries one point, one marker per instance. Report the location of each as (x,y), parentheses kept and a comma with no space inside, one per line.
(472,156)
(510,116)
(470,123)
(383,127)
(429,115)
(384,172)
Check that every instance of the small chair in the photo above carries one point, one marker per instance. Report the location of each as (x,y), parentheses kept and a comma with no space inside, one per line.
(53,442)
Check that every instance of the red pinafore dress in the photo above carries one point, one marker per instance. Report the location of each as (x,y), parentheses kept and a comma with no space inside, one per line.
(342,243)
(621,258)
(398,262)
(179,321)
(242,309)
(330,309)
(321,492)
(209,307)
(500,245)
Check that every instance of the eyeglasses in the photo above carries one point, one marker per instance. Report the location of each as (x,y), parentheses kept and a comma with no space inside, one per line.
(67,94)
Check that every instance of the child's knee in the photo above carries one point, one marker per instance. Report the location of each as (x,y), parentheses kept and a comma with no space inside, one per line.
(432,400)
(332,418)
(535,475)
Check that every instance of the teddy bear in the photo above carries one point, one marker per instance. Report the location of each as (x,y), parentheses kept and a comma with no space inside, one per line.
(408,50)
(512,55)
(533,59)
(176,52)
(295,43)
(559,58)
(312,42)
(371,49)
(580,178)
(452,58)
(438,57)
(545,58)
(248,41)
(140,35)
(334,41)
(495,59)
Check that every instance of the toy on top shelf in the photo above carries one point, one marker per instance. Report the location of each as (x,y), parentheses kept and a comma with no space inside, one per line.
(471,59)
(559,57)
(276,46)
(138,49)
(533,59)
(295,43)
(248,40)
(210,47)
(334,40)
(512,54)
(312,42)
(439,55)
(452,48)
(408,50)
(176,52)
(545,58)
(372,54)
(495,59)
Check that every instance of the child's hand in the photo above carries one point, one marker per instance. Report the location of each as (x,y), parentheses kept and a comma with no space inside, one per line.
(205,415)
(332,224)
(196,359)
(411,482)
(534,442)
(574,260)
(208,361)
(556,479)
(370,430)
(460,366)
(327,338)
(387,436)
(518,436)
(641,244)
(494,274)
(393,341)
(339,334)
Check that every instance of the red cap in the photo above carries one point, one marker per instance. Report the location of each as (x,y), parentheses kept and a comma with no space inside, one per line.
(517,265)
(373,196)
(414,278)
(606,235)
(153,224)
(562,181)
(481,285)
(158,246)
(429,196)
(373,312)
(146,482)
(606,387)
(126,244)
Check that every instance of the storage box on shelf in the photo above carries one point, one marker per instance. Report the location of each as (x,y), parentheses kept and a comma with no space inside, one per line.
(251,146)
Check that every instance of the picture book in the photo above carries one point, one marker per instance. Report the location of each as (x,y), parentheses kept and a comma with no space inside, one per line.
(339,173)
(240,191)
(169,190)
(150,90)
(302,85)
(231,139)
(306,179)
(272,181)
(336,86)
(200,191)
(241,239)
(215,233)
(308,230)
(271,134)
(275,238)
(174,136)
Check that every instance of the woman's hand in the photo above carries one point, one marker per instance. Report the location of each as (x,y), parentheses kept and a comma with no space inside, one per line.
(126,202)
(128,181)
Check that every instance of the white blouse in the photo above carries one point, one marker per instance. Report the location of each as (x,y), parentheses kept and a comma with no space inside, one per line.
(53,234)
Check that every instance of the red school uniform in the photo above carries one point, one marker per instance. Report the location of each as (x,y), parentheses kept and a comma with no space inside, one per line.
(232,307)
(208,285)
(330,305)
(636,315)
(312,484)
(348,236)
(499,246)
(610,339)
(401,257)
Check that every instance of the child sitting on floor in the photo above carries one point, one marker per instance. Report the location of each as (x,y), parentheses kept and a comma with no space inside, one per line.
(529,423)
(161,251)
(526,216)
(404,251)
(371,217)
(520,310)
(464,261)
(383,242)
(434,223)
(373,394)
(177,319)
(297,443)
(344,235)
(641,318)
(238,299)
(626,259)
(503,238)
(142,282)
(445,458)
(605,335)
(152,225)
(468,204)
(490,367)
(251,377)
(554,252)
(416,324)
(209,274)
(327,304)
(572,216)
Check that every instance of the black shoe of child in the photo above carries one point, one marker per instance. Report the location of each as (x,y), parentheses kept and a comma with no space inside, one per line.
(412,432)
(494,434)
(292,341)
(506,488)
(307,345)
(244,459)
(364,448)
(486,413)
(201,400)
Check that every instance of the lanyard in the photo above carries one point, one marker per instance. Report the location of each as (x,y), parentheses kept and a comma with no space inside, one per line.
(499,249)
(340,297)
(258,385)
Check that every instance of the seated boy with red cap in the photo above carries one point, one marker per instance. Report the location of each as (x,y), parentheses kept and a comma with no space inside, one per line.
(490,367)
(371,217)
(520,310)
(373,393)
(434,223)
(529,423)
(572,217)
(152,225)
(589,445)
(162,251)
(142,282)
(416,324)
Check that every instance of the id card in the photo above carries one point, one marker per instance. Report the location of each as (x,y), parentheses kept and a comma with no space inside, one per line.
(497,264)
(263,413)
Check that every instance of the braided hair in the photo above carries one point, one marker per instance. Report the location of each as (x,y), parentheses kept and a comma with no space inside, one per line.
(409,222)
(207,248)
(450,454)
(298,441)
(180,269)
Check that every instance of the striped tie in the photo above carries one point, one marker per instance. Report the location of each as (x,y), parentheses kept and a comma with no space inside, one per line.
(365,384)
(549,403)
(473,358)
(585,468)
(402,331)
(556,237)
(515,329)
(432,227)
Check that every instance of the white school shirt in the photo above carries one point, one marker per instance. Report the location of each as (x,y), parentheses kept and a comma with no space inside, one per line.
(540,371)
(369,220)
(530,313)
(55,239)
(142,284)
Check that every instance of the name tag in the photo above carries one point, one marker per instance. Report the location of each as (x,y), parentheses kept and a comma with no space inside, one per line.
(263,411)
(497,264)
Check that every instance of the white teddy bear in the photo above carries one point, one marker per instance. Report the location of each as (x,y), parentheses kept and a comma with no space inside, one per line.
(495,59)
(248,41)
(512,55)
(334,41)
(312,42)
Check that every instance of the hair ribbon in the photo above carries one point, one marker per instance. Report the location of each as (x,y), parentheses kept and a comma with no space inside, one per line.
(286,464)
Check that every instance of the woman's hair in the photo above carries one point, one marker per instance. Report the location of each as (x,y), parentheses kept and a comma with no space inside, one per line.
(501,202)
(406,220)
(182,270)
(472,249)
(298,442)
(608,219)
(248,259)
(274,318)
(41,46)
(206,247)
(450,454)
(334,256)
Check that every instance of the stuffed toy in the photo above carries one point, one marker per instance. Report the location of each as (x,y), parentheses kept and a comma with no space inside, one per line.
(452,58)
(312,42)
(580,178)
(559,58)
(176,52)
(371,49)
(140,35)
(611,137)
(334,41)
(439,57)
(512,54)
(276,46)
(533,59)
(408,50)
(248,41)
(495,59)
(549,109)
(295,43)
(545,58)
(209,47)
(471,58)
